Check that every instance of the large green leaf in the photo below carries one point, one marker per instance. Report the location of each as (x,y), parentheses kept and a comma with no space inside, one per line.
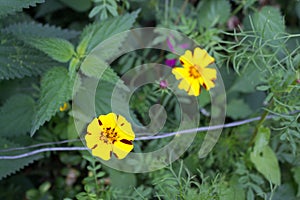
(33,29)
(267,23)
(8,167)
(18,59)
(237,108)
(212,12)
(266,163)
(58,49)
(56,88)
(16,115)
(78,5)
(296,175)
(99,32)
(11,6)
(264,158)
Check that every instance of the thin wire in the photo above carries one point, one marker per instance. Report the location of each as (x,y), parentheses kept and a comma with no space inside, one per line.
(200,129)
(39,145)
(31,153)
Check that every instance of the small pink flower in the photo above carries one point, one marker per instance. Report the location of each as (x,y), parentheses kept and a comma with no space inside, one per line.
(298,80)
(170,62)
(163,84)
(233,22)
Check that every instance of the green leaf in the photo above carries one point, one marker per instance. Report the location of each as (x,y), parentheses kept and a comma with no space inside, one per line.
(8,167)
(212,12)
(122,179)
(16,115)
(56,88)
(268,23)
(11,6)
(237,108)
(18,60)
(262,139)
(59,49)
(78,5)
(266,163)
(248,80)
(105,29)
(93,66)
(33,29)
(296,175)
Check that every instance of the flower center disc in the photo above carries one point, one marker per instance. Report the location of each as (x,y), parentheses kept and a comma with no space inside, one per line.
(108,135)
(194,72)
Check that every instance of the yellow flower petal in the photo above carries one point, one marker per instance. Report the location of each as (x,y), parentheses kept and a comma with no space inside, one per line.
(201,58)
(63,107)
(180,73)
(187,59)
(124,129)
(209,75)
(122,148)
(102,150)
(94,127)
(195,88)
(109,120)
(109,134)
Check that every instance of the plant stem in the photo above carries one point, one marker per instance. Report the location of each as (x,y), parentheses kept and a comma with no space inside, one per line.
(260,122)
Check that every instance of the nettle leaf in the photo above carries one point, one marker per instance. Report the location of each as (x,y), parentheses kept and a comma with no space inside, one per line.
(213,12)
(56,88)
(105,29)
(58,49)
(18,60)
(93,66)
(78,5)
(11,6)
(33,29)
(8,167)
(237,108)
(267,164)
(16,115)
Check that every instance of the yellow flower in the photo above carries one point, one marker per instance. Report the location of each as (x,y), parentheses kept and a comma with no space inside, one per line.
(64,107)
(195,72)
(109,135)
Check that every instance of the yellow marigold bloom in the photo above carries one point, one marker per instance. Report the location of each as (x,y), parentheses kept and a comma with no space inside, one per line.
(195,72)
(109,135)
(64,107)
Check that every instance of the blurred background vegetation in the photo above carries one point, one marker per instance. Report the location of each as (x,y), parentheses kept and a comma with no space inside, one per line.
(256,47)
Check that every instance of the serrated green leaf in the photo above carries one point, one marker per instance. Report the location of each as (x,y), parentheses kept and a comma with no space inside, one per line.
(56,88)
(105,29)
(93,66)
(8,167)
(11,6)
(18,60)
(237,108)
(78,5)
(16,115)
(213,12)
(267,164)
(58,49)
(33,29)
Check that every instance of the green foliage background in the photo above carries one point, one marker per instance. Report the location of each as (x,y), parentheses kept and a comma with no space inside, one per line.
(256,48)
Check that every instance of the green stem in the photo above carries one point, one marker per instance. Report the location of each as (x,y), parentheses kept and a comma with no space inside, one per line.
(259,124)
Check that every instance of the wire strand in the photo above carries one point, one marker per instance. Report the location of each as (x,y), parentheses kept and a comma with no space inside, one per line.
(200,129)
